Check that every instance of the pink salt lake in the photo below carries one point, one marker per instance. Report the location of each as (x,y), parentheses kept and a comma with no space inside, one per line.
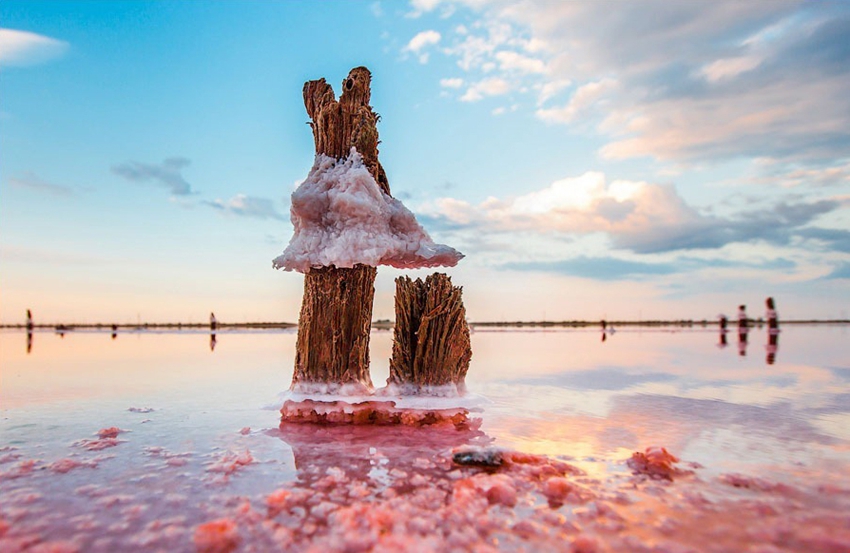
(154,442)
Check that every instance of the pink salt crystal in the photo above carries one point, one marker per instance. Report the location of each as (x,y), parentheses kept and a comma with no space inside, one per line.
(4,527)
(54,547)
(556,489)
(276,501)
(245,431)
(99,444)
(499,489)
(231,462)
(584,544)
(63,466)
(655,462)
(111,432)
(216,536)
(9,457)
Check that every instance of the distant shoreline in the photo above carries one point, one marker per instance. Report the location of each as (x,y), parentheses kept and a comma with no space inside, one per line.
(386,324)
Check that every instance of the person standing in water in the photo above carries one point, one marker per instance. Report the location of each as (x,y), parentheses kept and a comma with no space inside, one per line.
(722,323)
(742,330)
(772,331)
(770,315)
(742,317)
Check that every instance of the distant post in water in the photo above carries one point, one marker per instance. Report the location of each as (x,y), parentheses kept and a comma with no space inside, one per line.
(29,321)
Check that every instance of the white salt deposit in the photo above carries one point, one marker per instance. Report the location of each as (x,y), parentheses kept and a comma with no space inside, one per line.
(472,402)
(342,218)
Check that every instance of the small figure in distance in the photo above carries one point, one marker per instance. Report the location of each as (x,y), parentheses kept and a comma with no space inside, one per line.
(29,331)
(743,322)
(743,330)
(723,322)
(213,325)
(772,331)
(771,316)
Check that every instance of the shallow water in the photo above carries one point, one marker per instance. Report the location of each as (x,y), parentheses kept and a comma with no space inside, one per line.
(196,458)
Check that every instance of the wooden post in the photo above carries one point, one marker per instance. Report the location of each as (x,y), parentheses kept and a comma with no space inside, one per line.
(431,345)
(332,350)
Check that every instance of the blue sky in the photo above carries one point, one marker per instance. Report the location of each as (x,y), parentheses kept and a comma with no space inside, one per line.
(598,159)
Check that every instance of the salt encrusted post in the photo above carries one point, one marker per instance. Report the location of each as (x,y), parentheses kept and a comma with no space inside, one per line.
(346,224)
(431,348)
(336,311)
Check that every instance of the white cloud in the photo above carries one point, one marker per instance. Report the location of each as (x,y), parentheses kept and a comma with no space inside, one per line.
(583,98)
(422,6)
(22,48)
(635,215)
(248,206)
(697,80)
(423,40)
(512,61)
(451,83)
(729,68)
(419,43)
(487,87)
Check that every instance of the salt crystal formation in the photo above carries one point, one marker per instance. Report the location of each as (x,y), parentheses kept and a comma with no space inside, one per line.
(342,218)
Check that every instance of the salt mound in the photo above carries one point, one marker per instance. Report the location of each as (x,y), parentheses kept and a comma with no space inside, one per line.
(343,218)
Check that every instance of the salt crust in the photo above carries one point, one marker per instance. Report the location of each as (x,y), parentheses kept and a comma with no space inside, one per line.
(433,405)
(426,398)
(342,218)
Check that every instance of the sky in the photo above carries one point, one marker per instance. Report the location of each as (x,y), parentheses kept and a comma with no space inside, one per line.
(619,160)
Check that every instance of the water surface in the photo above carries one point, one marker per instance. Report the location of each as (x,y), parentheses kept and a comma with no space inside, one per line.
(191,456)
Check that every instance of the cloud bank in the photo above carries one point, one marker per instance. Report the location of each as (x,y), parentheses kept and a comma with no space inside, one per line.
(641,217)
(676,83)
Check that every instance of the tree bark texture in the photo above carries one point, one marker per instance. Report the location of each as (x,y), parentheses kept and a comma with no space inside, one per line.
(431,345)
(333,329)
(336,311)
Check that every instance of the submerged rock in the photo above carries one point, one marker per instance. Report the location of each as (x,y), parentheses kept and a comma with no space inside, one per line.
(478,457)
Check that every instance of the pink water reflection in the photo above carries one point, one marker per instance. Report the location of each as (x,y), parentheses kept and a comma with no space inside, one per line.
(155,442)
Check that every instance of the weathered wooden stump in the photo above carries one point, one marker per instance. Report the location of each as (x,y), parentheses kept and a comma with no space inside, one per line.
(332,351)
(431,346)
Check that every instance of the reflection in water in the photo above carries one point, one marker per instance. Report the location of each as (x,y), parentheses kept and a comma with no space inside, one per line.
(29,340)
(367,455)
(772,345)
(743,332)
(114,331)
(212,341)
(774,446)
